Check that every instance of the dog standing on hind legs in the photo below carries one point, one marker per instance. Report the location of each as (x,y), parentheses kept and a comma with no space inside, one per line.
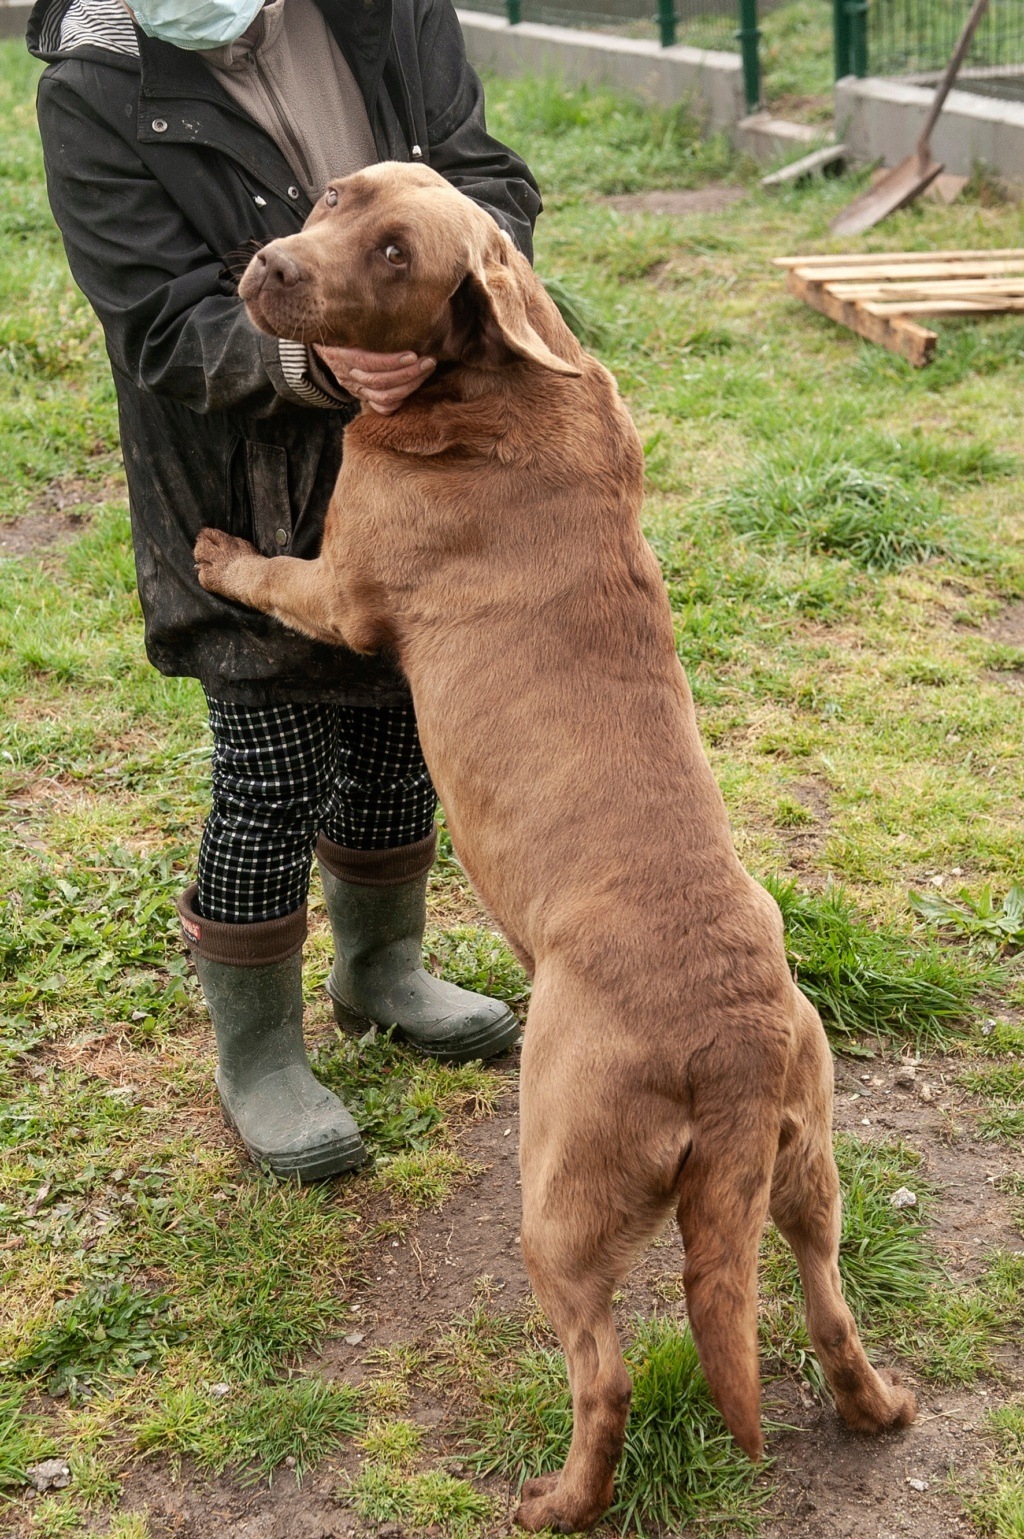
(489,533)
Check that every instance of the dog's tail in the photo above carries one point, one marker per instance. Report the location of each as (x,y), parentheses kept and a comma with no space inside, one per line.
(723,1203)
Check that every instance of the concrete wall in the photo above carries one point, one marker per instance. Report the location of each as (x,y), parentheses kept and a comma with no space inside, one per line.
(713,82)
(13,19)
(881,120)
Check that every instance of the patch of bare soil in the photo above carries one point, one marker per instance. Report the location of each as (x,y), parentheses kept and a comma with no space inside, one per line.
(805,841)
(431,1276)
(60,514)
(817,109)
(1008,625)
(200,1509)
(39,531)
(677,202)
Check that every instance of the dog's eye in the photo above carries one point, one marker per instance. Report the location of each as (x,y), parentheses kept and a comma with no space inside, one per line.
(395,255)
(331,197)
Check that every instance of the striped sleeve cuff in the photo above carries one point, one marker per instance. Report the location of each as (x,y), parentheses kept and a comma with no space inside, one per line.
(295,368)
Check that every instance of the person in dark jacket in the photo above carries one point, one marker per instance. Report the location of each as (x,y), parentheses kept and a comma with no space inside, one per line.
(177,137)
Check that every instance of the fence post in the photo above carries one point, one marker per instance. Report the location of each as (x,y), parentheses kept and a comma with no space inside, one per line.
(667,20)
(841,38)
(850,37)
(749,35)
(858,34)
(512,9)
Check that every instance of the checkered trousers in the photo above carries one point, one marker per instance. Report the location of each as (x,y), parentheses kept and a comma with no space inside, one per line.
(284,774)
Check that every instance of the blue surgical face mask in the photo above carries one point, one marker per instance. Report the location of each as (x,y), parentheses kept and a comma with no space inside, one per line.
(196,24)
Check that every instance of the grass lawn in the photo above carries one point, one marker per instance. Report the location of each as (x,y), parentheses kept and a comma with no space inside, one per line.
(209,1351)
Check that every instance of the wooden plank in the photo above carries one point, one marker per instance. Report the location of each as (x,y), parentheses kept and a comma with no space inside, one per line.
(901,336)
(944,307)
(969,288)
(850,257)
(946,188)
(807,165)
(904,272)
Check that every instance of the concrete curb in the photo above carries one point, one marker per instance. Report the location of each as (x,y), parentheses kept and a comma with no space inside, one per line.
(712,81)
(769,139)
(881,119)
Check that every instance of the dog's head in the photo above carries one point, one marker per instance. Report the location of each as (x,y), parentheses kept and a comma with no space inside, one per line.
(395,259)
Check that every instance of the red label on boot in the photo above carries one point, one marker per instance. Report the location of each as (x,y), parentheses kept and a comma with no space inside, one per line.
(191,929)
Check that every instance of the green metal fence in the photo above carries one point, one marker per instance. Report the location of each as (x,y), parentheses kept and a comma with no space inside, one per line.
(703,23)
(917,37)
(730,25)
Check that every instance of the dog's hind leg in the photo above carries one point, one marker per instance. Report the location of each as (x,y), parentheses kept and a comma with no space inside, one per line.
(587,1207)
(723,1206)
(578,1305)
(805,1204)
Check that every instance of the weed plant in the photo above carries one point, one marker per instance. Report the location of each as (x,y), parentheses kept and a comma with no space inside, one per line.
(836,509)
(432,1500)
(865,979)
(106,1329)
(400,1100)
(997,1505)
(479,960)
(22,1441)
(994,926)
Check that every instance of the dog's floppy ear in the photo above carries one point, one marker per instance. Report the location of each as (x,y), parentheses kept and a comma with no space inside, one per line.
(491,322)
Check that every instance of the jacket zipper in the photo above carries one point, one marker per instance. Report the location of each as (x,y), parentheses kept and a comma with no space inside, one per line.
(296,154)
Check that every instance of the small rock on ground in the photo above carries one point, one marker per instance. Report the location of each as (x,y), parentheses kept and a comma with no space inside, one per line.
(50,1475)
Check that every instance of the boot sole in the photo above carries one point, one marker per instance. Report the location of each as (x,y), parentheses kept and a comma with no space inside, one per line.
(491,1040)
(335,1160)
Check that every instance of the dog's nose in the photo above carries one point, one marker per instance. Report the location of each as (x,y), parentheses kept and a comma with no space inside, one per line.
(282,270)
(272,268)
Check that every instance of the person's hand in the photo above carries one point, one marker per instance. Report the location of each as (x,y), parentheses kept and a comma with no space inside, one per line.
(382,380)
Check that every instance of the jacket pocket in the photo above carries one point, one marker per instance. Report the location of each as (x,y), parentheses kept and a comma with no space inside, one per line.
(266,469)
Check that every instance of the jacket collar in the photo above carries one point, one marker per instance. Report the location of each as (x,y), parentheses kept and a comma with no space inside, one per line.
(361,27)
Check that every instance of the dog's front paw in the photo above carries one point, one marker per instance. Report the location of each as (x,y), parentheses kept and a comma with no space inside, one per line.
(218,556)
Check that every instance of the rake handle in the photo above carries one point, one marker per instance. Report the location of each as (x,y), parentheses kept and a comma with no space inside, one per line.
(978,10)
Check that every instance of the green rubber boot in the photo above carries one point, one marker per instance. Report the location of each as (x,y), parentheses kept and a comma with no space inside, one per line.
(251,977)
(377,904)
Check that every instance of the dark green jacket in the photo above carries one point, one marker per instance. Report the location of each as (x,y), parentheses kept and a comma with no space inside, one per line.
(157,181)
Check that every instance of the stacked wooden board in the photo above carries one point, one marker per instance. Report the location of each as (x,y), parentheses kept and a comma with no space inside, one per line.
(876,294)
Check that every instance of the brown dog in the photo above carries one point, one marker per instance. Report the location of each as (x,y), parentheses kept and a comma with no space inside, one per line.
(489,534)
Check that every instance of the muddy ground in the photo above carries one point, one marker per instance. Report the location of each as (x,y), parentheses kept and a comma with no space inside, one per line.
(58,516)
